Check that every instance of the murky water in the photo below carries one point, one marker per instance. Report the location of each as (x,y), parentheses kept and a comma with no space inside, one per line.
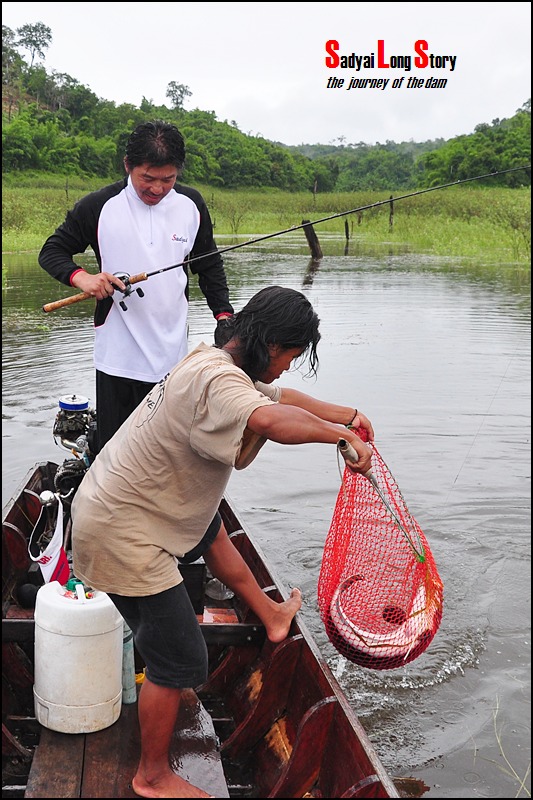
(439,358)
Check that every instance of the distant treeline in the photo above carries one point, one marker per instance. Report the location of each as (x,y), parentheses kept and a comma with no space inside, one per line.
(502,145)
(53,123)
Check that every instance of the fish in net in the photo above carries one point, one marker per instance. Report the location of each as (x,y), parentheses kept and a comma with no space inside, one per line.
(380,595)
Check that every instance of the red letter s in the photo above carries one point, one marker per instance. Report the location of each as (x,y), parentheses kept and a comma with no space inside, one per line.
(420,46)
(333,61)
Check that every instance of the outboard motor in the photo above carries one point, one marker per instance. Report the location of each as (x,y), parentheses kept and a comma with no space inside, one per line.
(75,426)
(75,430)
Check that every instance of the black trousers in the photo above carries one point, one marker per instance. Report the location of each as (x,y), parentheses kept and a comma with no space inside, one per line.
(116,398)
(167,636)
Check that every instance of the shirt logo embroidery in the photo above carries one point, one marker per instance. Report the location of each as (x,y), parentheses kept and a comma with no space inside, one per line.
(176,238)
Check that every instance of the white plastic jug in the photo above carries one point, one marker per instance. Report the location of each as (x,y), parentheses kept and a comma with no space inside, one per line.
(78,659)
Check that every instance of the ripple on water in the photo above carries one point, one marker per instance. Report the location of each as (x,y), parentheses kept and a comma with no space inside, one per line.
(440,361)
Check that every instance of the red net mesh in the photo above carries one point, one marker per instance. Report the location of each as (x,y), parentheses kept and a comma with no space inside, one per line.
(379,592)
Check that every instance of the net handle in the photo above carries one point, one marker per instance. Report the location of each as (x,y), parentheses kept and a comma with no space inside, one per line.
(350,455)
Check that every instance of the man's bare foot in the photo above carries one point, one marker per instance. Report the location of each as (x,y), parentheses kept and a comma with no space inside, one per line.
(169,785)
(281,615)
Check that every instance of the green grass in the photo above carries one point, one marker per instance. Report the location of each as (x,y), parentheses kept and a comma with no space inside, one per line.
(489,224)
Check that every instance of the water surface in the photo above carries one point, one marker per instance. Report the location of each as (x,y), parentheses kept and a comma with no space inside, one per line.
(438,356)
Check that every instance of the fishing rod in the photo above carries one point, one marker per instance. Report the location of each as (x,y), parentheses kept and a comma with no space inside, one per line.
(143,276)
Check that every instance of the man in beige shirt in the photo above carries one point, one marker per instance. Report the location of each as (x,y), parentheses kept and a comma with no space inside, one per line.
(151,497)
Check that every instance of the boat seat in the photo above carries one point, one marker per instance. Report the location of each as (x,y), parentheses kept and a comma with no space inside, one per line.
(102,764)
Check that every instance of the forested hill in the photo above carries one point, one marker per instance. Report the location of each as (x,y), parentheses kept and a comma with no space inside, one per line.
(53,123)
(503,144)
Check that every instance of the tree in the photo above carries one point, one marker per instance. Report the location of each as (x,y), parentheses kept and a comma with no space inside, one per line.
(146,105)
(11,61)
(37,83)
(176,93)
(12,70)
(35,38)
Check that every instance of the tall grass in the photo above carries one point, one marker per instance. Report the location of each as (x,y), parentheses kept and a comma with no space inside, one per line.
(491,224)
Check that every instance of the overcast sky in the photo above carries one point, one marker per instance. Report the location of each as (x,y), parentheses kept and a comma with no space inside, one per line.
(263,66)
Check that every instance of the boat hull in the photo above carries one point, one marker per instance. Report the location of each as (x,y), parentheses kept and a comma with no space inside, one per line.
(274,720)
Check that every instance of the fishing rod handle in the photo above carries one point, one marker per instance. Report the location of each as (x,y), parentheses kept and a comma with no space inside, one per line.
(67,301)
(349,453)
(75,298)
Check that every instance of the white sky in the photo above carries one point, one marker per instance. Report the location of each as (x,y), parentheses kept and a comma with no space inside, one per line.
(263,64)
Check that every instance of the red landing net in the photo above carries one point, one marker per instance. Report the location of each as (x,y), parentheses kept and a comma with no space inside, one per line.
(379,592)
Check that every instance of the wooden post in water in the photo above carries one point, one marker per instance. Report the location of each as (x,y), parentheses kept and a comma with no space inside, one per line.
(312,269)
(391,214)
(312,239)
(346,230)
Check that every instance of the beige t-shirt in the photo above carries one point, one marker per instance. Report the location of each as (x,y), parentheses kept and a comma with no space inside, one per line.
(154,488)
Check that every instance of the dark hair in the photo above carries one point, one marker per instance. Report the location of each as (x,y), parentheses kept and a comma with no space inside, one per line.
(156,143)
(275,316)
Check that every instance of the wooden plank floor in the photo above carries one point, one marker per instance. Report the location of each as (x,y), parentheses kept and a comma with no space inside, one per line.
(102,764)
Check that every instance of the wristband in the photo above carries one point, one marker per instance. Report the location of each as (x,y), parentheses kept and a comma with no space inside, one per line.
(351,422)
(78,269)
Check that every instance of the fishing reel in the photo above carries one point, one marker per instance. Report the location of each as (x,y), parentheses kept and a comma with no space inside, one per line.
(125,278)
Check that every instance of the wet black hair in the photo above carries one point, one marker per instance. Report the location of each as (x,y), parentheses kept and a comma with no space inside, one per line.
(156,143)
(276,316)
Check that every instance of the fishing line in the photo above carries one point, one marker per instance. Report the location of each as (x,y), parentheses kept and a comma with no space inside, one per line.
(502,379)
(143,276)
(349,453)
(336,216)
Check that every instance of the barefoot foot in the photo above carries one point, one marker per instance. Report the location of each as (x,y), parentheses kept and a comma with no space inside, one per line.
(281,615)
(168,785)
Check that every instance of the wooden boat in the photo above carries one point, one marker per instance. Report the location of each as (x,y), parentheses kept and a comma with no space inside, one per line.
(270,721)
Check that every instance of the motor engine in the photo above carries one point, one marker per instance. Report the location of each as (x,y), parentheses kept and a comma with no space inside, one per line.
(75,426)
(75,430)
